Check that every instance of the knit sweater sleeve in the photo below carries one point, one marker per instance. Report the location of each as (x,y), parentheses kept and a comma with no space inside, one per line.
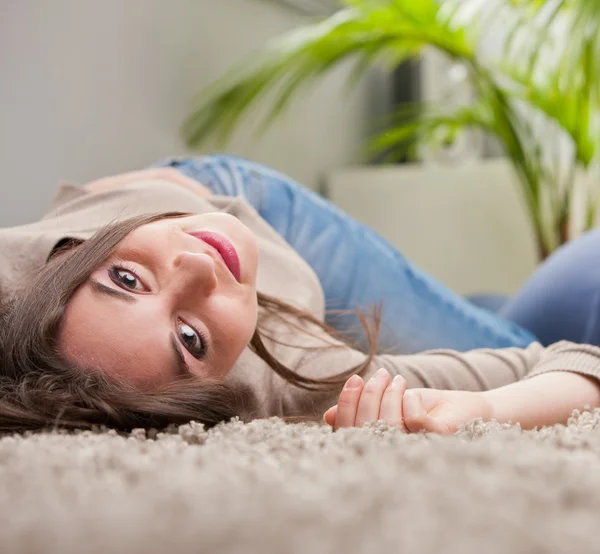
(477,370)
(486,369)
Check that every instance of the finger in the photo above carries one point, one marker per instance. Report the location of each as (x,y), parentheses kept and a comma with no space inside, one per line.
(348,402)
(370,399)
(329,415)
(391,403)
(416,418)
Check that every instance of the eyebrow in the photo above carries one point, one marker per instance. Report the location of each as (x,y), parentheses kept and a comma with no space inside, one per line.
(98,287)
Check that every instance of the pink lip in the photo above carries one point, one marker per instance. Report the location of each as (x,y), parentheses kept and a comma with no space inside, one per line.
(225,249)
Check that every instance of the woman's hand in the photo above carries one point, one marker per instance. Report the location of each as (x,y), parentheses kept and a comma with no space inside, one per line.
(379,398)
(435,411)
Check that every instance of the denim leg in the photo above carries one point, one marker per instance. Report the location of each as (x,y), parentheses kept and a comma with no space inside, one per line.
(356,267)
(561,300)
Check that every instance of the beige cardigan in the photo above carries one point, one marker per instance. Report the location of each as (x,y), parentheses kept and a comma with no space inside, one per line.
(77,213)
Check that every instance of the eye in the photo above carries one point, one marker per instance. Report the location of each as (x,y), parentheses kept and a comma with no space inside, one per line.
(192,340)
(126,279)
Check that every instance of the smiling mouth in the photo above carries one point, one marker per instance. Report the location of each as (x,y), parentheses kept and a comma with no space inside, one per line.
(225,249)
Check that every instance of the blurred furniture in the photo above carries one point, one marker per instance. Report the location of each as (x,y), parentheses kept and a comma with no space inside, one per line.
(465,225)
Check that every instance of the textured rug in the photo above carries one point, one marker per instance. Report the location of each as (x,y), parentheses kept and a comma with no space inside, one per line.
(269,487)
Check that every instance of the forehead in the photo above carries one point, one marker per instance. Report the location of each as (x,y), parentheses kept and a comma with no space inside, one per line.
(121,339)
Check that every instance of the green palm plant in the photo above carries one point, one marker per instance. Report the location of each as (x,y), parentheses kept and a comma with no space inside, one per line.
(539,99)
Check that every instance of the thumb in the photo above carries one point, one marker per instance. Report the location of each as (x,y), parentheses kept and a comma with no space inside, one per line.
(416,417)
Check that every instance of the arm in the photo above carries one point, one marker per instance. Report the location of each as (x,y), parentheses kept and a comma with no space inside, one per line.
(487,369)
(475,371)
(564,379)
(319,356)
(545,399)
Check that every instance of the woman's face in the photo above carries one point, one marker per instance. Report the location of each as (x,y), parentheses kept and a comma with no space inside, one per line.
(177,297)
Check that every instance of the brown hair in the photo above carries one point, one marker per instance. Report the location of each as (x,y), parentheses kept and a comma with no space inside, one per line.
(40,389)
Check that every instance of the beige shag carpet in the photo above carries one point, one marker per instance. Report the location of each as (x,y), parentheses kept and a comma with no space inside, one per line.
(272,488)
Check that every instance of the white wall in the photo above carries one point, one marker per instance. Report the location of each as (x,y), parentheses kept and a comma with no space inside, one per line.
(94,87)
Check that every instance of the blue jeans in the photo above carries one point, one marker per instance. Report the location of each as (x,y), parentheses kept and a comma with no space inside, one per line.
(356,267)
(561,301)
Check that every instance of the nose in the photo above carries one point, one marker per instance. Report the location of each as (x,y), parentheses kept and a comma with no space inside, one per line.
(194,274)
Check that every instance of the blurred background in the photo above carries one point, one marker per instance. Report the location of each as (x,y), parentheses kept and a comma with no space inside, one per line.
(100,87)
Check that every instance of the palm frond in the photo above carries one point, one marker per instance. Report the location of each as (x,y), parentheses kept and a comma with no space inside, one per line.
(386,32)
(548,71)
(568,108)
(567,30)
(493,114)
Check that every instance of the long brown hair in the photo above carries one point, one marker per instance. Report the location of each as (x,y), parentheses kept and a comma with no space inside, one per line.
(40,389)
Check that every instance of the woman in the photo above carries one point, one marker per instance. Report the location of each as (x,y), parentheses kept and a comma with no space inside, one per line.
(148,321)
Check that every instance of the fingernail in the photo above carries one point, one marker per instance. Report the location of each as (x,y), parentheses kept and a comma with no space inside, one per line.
(397,382)
(381,374)
(354,382)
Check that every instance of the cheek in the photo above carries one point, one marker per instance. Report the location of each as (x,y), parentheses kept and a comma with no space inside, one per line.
(236,324)
(242,326)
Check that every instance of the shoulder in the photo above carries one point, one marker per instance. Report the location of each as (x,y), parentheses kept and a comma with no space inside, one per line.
(142,196)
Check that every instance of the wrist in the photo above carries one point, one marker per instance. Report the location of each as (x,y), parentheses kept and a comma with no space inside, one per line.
(546,399)
(492,401)
(489,409)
